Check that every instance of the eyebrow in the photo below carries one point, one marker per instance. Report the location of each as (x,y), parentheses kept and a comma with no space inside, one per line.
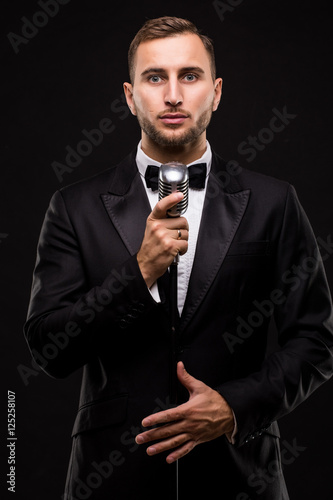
(188,69)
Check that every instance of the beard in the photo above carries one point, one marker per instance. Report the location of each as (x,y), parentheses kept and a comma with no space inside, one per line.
(173,140)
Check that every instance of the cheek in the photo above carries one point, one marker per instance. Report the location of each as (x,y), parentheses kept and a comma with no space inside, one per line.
(200,101)
(201,107)
(146,103)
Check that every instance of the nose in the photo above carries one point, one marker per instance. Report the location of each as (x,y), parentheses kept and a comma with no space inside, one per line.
(173,93)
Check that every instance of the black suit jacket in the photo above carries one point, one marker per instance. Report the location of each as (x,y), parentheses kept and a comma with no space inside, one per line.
(256,256)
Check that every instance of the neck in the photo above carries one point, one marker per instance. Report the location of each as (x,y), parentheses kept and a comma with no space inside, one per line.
(186,153)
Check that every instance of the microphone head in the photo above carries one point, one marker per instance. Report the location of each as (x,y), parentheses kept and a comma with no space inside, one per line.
(173,176)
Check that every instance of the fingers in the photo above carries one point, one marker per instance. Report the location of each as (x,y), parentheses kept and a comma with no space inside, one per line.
(181,451)
(164,238)
(181,446)
(173,437)
(178,228)
(170,223)
(169,235)
(160,209)
(163,432)
(180,234)
(204,417)
(164,417)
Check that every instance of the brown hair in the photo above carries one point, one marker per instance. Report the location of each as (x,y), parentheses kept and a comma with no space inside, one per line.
(164,27)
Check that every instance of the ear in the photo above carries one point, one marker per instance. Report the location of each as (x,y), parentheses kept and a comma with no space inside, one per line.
(218,93)
(128,90)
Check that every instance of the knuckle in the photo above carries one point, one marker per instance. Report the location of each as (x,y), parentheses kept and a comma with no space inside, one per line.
(167,433)
(177,442)
(156,226)
(189,447)
(177,415)
(158,211)
(183,248)
(168,245)
(169,417)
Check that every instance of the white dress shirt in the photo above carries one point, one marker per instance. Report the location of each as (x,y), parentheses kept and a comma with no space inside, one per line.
(193,216)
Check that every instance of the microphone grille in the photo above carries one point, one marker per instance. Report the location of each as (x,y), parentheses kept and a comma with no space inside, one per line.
(174,177)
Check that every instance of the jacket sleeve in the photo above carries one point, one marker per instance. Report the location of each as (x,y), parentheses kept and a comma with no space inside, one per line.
(305,329)
(65,318)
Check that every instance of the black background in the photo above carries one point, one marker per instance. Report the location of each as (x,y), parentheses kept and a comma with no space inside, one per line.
(68,77)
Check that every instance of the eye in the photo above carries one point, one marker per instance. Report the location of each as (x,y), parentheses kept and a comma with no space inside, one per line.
(190,77)
(155,79)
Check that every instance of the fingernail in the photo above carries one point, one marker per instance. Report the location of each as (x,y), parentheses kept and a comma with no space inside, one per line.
(139,439)
(170,460)
(146,422)
(151,451)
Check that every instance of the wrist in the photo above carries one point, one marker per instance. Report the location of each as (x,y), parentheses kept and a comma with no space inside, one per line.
(145,272)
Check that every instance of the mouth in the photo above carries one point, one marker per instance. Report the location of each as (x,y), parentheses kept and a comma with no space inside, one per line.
(173,118)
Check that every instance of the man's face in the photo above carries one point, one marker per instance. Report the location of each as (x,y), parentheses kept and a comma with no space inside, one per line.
(173,93)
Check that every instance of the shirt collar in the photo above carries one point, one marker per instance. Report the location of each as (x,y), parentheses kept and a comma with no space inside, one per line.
(142,160)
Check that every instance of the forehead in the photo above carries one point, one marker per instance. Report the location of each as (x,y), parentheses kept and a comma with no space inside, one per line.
(172,53)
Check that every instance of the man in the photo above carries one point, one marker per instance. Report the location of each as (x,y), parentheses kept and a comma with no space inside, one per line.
(100,301)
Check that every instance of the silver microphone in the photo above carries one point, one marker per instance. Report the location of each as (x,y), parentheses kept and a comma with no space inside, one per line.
(173,176)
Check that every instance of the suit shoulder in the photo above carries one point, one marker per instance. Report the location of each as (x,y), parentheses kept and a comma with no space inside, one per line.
(96,182)
(238,177)
(260,181)
(266,191)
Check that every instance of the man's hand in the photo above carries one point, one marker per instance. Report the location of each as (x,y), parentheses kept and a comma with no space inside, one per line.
(204,417)
(161,241)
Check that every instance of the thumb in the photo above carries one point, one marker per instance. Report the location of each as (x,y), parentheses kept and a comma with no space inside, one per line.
(161,207)
(191,383)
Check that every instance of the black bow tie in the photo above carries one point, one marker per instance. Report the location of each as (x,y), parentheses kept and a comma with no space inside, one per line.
(197,174)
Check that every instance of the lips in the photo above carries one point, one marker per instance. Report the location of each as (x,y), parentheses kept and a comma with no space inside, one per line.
(173,118)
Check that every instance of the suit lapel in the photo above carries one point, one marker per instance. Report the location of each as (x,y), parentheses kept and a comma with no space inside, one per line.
(127,204)
(223,211)
(128,207)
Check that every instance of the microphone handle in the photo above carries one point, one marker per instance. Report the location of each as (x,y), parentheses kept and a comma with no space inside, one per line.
(174,177)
